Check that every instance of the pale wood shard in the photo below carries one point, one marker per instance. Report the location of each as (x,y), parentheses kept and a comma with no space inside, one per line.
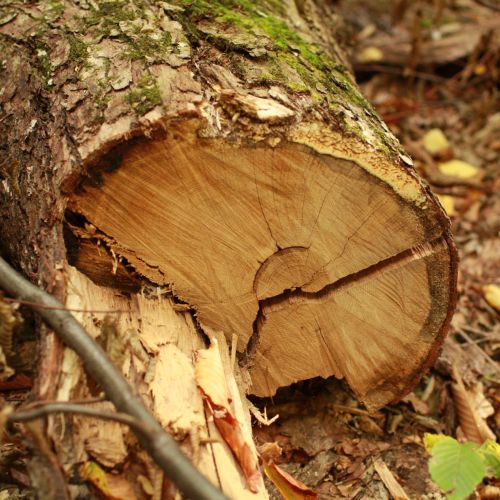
(164,377)
(319,267)
(395,489)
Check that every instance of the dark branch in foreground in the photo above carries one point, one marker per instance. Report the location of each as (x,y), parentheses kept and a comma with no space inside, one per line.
(160,445)
(44,410)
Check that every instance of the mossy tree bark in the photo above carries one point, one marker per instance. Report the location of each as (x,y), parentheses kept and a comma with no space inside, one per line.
(210,169)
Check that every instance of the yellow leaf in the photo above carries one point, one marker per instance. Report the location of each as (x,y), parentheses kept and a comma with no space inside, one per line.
(4,415)
(492,295)
(431,439)
(491,447)
(458,168)
(93,473)
(435,141)
(480,69)
(289,487)
(448,203)
(369,54)
(111,486)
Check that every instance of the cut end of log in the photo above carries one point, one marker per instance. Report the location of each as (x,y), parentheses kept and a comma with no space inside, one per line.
(319,265)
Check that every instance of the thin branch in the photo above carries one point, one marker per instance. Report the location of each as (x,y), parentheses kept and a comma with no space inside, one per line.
(485,355)
(78,402)
(44,410)
(160,445)
(490,4)
(62,308)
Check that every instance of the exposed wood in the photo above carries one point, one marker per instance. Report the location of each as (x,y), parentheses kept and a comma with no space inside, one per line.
(153,345)
(317,266)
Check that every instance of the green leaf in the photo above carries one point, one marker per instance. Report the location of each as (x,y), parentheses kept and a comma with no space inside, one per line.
(456,468)
(490,451)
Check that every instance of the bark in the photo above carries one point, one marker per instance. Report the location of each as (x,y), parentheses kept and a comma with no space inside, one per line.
(211,170)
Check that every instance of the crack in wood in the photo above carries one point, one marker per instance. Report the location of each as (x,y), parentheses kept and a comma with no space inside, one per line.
(416,252)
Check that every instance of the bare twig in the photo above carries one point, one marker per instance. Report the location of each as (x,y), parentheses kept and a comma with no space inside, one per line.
(62,308)
(491,4)
(43,410)
(87,401)
(482,353)
(156,441)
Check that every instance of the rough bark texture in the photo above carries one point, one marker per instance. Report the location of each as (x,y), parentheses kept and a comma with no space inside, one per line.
(99,99)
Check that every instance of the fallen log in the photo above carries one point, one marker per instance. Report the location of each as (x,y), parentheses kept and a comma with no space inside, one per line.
(210,170)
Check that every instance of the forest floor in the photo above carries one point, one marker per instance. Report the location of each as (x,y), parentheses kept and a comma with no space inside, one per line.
(426,66)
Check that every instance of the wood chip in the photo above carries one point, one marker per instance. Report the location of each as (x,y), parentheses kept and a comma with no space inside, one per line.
(390,482)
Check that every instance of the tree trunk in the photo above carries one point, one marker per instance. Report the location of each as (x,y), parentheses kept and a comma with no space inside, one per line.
(210,170)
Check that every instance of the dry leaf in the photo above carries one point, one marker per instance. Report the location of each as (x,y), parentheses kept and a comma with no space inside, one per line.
(369,54)
(390,482)
(483,407)
(211,380)
(458,168)
(435,141)
(269,452)
(4,415)
(472,425)
(448,203)
(111,486)
(289,487)
(418,405)
(10,319)
(492,295)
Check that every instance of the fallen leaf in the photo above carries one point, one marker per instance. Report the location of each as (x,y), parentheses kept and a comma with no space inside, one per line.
(491,453)
(269,452)
(448,203)
(369,54)
(418,405)
(211,380)
(459,169)
(473,426)
(492,295)
(431,439)
(111,486)
(435,141)
(456,467)
(289,487)
(361,448)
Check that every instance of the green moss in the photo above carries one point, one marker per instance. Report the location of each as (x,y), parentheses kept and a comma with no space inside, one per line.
(145,96)
(246,15)
(109,14)
(289,59)
(43,64)
(145,46)
(298,87)
(237,66)
(118,18)
(77,49)
(53,10)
